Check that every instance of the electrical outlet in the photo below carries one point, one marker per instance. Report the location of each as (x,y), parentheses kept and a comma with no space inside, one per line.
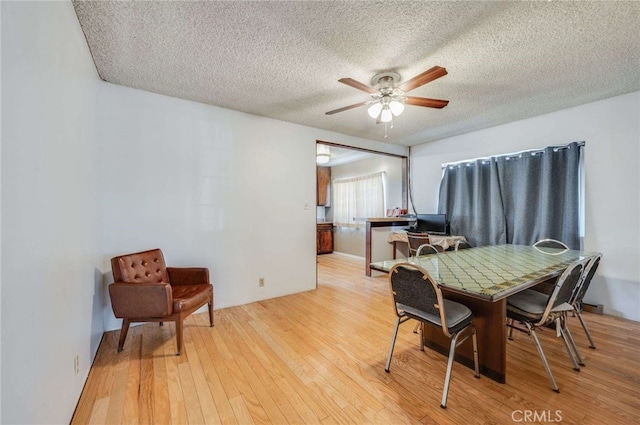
(261,281)
(76,364)
(306,206)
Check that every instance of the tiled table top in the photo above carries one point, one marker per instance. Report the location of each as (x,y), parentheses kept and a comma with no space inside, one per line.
(491,272)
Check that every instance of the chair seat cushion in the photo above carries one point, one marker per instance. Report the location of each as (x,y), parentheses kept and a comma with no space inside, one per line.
(530,304)
(457,315)
(190,296)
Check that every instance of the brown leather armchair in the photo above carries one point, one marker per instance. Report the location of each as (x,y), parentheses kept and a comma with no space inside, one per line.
(146,290)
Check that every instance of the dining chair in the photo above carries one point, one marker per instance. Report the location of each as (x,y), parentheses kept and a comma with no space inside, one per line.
(462,244)
(534,309)
(426,249)
(416,239)
(547,286)
(576,301)
(416,296)
(550,243)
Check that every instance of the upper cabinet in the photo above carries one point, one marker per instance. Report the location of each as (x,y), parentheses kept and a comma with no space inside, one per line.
(324,180)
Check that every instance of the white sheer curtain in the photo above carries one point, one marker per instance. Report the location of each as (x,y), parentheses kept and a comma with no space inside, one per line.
(358,197)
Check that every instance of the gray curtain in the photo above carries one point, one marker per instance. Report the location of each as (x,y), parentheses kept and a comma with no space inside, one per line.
(470,196)
(515,199)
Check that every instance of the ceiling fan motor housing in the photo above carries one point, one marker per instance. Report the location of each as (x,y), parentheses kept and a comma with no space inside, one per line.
(385,81)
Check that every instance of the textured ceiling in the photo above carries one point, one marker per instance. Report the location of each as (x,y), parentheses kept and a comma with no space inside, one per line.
(506,60)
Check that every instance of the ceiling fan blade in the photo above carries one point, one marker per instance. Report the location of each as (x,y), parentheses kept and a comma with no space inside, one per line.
(346,108)
(424,101)
(424,78)
(357,85)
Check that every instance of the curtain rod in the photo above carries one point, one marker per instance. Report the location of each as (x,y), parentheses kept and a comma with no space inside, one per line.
(508,155)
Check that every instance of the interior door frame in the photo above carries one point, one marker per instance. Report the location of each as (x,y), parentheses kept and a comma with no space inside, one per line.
(405,166)
(405,177)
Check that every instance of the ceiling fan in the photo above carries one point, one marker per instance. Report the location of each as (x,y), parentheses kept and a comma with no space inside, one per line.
(388,97)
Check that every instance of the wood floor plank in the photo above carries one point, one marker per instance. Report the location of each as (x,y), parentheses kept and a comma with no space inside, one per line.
(178,411)
(318,357)
(131,403)
(216,388)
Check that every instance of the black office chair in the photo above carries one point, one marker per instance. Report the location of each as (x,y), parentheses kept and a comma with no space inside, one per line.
(462,244)
(587,274)
(534,309)
(417,296)
(416,240)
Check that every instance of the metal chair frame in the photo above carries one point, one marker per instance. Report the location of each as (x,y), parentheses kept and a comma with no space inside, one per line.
(576,300)
(462,245)
(542,243)
(551,243)
(426,249)
(556,310)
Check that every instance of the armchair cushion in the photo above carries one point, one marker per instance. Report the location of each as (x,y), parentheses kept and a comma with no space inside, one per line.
(188,296)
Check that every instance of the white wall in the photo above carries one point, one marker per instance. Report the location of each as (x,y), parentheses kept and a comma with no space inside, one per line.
(211,187)
(352,240)
(50,212)
(91,170)
(611,131)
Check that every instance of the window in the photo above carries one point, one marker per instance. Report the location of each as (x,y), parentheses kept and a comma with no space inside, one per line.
(517,198)
(358,197)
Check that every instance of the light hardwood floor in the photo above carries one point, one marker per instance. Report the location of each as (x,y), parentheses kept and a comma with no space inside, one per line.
(318,357)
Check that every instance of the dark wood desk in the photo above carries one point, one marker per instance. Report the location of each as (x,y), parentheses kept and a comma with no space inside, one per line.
(482,279)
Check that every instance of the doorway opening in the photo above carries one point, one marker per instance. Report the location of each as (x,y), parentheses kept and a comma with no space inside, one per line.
(340,227)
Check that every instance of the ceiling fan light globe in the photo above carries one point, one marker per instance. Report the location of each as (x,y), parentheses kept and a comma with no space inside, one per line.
(396,107)
(374,110)
(386,115)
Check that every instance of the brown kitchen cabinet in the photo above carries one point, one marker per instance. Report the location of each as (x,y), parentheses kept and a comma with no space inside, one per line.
(324,181)
(324,238)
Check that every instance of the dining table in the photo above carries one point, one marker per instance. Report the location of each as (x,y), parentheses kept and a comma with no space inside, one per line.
(482,278)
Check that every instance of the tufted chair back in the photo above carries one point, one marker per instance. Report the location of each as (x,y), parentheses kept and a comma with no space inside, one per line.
(141,267)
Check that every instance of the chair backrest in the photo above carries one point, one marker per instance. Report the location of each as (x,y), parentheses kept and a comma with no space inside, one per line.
(462,245)
(140,267)
(411,286)
(426,249)
(550,243)
(415,240)
(564,288)
(587,274)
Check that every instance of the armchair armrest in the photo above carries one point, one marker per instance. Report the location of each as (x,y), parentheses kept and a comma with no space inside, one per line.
(188,275)
(139,300)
